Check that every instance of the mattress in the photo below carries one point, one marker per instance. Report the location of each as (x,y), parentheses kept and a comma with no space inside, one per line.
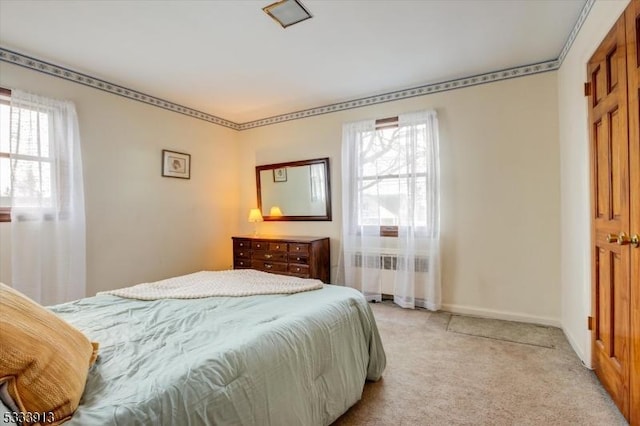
(298,359)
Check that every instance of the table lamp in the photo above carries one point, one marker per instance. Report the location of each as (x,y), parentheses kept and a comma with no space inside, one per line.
(255,216)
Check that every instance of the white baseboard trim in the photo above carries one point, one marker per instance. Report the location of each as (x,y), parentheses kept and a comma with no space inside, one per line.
(502,315)
(577,348)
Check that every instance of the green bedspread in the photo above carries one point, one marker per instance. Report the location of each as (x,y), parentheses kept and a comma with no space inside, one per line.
(299,359)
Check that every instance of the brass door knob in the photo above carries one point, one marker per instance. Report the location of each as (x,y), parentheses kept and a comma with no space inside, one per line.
(623,239)
(635,240)
(612,238)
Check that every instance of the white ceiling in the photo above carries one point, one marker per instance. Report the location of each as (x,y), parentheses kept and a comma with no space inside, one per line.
(228,58)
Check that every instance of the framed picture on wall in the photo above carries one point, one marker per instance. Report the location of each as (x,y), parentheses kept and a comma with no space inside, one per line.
(176,164)
(280,175)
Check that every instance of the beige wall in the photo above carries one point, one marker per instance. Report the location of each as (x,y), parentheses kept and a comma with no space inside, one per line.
(500,190)
(141,226)
(574,149)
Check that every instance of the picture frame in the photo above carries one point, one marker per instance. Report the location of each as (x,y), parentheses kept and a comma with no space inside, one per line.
(176,164)
(280,175)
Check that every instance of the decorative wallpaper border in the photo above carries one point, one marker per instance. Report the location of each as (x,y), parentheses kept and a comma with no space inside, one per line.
(16,58)
(576,29)
(428,89)
(23,60)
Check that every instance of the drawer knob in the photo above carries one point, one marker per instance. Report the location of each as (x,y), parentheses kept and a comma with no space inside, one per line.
(297,269)
(297,258)
(267,266)
(277,247)
(241,254)
(298,248)
(268,256)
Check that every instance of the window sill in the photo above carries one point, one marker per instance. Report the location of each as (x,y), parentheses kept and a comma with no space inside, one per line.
(419,233)
(36,215)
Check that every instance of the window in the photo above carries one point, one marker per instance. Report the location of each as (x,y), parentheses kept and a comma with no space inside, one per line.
(393,179)
(390,188)
(25,161)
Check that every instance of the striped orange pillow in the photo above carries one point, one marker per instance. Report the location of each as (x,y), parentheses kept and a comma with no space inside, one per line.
(44,359)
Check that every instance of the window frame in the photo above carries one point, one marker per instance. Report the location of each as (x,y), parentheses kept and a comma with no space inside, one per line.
(5,212)
(386,230)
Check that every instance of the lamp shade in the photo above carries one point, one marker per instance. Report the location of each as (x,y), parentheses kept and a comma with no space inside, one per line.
(255,215)
(275,211)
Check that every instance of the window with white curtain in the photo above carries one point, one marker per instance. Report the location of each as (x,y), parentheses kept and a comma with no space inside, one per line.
(391,211)
(42,195)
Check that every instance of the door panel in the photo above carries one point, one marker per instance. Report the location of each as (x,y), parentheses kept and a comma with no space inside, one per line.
(617,139)
(608,120)
(612,307)
(602,182)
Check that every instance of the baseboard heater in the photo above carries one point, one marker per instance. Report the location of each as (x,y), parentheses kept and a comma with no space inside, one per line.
(387,262)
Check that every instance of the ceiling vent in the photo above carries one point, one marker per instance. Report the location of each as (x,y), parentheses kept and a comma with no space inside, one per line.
(287,12)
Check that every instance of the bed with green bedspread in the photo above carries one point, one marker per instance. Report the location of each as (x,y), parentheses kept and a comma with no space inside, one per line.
(298,359)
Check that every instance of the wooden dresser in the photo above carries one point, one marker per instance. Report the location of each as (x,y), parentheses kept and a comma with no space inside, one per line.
(305,257)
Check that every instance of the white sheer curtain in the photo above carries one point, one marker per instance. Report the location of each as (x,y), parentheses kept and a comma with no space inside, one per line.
(47,198)
(390,183)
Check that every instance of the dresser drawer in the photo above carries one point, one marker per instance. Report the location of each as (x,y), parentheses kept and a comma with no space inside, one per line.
(278,246)
(298,248)
(273,256)
(262,265)
(241,245)
(239,263)
(259,245)
(300,270)
(301,259)
(242,252)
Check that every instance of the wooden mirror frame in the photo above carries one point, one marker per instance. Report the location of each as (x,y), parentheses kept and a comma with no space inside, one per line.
(325,162)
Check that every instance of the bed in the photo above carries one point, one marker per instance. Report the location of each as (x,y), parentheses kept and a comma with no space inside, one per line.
(282,359)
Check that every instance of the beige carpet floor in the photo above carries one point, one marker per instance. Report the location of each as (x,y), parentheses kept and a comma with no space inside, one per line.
(439,377)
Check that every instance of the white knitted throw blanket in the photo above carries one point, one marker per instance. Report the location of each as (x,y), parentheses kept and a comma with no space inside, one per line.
(237,282)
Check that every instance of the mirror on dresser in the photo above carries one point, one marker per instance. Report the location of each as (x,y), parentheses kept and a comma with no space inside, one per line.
(297,190)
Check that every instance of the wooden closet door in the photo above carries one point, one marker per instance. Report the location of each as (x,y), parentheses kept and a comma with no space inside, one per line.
(632,15)
(607,72)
